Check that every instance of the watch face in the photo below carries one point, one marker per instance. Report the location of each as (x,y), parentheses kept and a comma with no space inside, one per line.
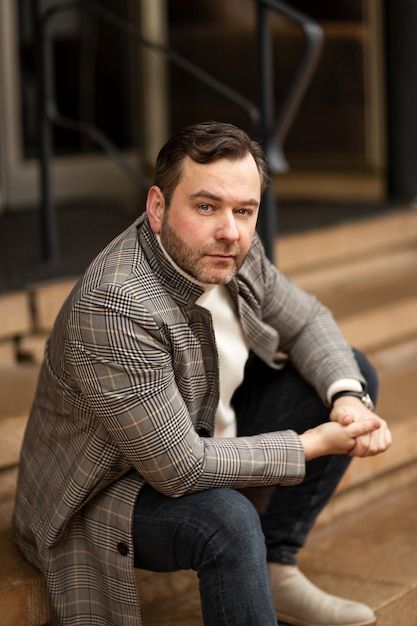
(366,399)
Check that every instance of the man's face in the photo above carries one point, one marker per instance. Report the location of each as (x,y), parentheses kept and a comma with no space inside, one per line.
(208,228)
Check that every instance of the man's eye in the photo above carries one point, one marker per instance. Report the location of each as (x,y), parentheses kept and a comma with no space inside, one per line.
(205,207)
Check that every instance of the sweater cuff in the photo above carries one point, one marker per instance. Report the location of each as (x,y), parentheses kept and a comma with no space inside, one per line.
(344,384)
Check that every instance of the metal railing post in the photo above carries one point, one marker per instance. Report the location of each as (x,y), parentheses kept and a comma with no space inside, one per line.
(274,128)
(268,218)
(49,233)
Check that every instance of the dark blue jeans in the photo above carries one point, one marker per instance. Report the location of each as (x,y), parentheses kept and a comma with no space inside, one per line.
(219,533)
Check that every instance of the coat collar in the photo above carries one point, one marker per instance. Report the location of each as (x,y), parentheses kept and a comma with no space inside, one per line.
(183,290)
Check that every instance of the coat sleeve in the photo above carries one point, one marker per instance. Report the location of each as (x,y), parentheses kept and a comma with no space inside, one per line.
(122,365)
(307,330)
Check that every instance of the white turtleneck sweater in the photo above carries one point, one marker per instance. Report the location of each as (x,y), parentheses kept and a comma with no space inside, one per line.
(232,351)
(232,348)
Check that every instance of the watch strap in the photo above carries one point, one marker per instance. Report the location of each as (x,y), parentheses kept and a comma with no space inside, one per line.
(362,395)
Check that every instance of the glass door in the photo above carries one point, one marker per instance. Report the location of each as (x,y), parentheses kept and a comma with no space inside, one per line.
(97,74)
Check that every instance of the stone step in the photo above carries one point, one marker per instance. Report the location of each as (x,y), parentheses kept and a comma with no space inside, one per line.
(360,285)
(11,435)
(378,328)
(372,554)
(8,480)
(15,315)
(346,242)
(47,299)
(17,388)
(23,597)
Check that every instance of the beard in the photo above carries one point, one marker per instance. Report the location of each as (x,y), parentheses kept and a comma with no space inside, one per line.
(196,261)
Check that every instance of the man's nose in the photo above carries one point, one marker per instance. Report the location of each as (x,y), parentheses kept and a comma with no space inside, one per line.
(227,228)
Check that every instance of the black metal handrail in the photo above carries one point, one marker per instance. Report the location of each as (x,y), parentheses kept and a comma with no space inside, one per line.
(270,128)
(274,126)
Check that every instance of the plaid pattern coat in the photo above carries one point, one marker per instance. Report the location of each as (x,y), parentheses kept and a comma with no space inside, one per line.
(128,386)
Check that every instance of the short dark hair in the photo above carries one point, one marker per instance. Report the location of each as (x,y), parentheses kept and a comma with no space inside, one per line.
(204,143)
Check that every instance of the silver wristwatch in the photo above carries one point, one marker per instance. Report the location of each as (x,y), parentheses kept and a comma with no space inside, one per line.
(362,395)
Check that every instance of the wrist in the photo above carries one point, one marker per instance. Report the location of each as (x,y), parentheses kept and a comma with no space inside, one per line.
(308,442)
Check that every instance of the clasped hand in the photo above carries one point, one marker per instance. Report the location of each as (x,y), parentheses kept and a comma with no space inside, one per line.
(350,412)
(353,429)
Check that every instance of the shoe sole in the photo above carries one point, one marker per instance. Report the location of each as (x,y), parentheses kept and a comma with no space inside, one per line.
(292,621)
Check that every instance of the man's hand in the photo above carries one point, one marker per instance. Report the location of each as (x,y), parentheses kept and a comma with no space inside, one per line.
(337,438)
(348,410)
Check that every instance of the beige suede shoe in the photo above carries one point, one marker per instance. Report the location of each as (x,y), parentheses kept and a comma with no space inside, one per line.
(300,603)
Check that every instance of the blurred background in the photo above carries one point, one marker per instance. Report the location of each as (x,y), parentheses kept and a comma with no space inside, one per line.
(349,151)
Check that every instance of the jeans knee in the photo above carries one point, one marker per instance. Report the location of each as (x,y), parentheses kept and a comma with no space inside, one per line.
(234,521)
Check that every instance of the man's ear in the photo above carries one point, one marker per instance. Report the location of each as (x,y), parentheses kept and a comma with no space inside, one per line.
(155,208)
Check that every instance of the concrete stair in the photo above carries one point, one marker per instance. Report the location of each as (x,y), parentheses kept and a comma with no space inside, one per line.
(365,543)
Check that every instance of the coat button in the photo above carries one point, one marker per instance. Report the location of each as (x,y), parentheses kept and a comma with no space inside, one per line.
(123,548)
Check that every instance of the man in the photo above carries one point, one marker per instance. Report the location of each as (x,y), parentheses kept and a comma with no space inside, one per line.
(182,369)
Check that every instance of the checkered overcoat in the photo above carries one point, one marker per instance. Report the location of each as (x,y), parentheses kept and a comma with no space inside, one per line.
(128,386)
